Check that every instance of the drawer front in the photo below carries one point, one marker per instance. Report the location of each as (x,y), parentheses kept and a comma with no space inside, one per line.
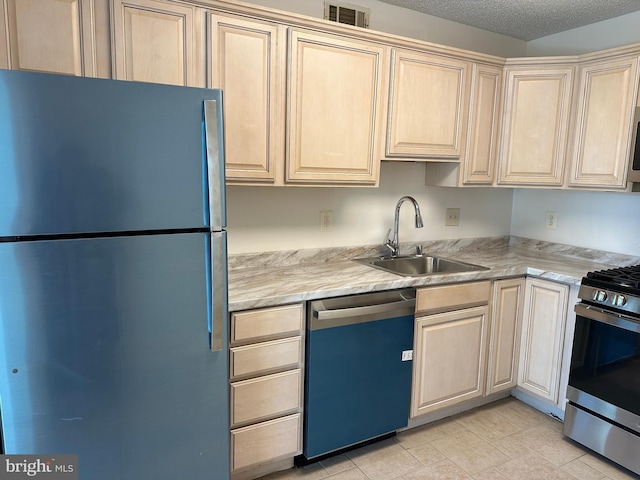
(266,357)
(267,323)
(265,397)
(452,297)
(266,441)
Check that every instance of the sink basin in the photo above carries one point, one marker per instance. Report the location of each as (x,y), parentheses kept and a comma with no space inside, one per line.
(419,265)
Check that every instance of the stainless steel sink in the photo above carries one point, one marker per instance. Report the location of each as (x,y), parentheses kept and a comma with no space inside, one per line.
(419,265)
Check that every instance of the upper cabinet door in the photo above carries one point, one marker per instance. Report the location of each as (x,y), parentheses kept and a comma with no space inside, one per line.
(536,124)
(428,106)
(603,123)
(54,36)
(247,63)
(335,92)
(154,41)
(481,153)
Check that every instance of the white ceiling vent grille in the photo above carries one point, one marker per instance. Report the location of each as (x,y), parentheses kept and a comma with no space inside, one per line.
(346,13)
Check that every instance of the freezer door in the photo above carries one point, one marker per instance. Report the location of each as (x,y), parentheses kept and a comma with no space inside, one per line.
(84,155)
(105,353)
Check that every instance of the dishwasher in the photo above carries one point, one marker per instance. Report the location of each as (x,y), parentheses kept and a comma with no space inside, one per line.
(358,369)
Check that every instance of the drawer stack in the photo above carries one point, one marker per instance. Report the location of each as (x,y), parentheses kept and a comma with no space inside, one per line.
(266,370)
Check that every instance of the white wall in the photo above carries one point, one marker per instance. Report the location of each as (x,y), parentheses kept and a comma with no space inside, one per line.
(407,23)
(288,218)
(604,221)
(615,32)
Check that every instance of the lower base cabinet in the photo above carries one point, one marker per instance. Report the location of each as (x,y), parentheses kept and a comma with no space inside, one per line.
(543,331)
(266,386)
(504,344)
(449,361)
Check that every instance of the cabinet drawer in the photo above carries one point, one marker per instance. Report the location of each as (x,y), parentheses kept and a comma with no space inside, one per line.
(266,357)
(266,323)
(265,397)
(266,441)
(452,297)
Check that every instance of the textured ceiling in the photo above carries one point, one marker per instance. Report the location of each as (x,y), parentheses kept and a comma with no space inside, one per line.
(523,19)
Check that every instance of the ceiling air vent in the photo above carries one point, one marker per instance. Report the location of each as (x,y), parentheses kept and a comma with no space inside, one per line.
(346,13)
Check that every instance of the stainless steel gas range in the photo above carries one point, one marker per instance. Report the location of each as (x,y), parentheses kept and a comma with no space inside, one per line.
(603,412)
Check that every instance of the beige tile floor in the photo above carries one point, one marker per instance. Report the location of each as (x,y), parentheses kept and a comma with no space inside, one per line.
(504,440)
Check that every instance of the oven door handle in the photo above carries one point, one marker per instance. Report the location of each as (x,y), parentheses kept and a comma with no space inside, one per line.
(615,319)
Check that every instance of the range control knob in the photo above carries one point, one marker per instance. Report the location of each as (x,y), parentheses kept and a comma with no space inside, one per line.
(599,295)
(619,300)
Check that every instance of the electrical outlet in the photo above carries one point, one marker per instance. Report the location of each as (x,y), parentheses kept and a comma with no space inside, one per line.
(407,355)
(551,222)
(326,220)
(453,217)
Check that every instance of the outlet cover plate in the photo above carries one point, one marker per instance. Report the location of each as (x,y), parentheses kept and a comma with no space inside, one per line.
(452,218)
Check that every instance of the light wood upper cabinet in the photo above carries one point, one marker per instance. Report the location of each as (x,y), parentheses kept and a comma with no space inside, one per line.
(603,123)
(334,112)
(247,62)
(54,36)
(536,125)
(543,324)
(155,41)
(428,106)
(481,153)
(504,343)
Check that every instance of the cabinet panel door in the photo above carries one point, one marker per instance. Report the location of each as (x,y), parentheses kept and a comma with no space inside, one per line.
(543,324)
(53,36)
(604,123)
(449,360)
(334,109)
(481,153)
(535,129)
(245,62)
(428,105)
(504,344)
(154,42)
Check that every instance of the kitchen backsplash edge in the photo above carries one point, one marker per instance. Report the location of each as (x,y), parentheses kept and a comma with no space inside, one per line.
(441,247)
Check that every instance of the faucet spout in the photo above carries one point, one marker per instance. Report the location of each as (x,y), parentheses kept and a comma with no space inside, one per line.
(394,243)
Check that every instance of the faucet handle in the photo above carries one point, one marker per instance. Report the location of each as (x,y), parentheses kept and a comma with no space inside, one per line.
(387,238)
(419,250)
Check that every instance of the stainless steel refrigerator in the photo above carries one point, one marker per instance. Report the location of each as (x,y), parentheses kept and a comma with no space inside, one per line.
(113,269)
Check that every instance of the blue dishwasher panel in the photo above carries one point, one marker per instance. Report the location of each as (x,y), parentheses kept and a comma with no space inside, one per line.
(357,387)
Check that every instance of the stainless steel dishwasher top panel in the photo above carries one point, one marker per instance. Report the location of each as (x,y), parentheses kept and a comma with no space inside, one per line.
(368,307)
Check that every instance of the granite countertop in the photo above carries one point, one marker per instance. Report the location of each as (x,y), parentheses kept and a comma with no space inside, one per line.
(277,278)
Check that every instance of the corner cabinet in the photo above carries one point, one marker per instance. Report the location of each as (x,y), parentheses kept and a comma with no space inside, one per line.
(543,330)
(536,125)
(53,36)
(506,324)
(246,60)
(335,109)
(155,41)
(428,106)
(603,123)
(450,338)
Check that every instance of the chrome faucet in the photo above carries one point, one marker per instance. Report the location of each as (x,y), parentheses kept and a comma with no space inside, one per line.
(394,244)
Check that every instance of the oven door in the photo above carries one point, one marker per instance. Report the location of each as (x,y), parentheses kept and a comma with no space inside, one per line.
(605,365)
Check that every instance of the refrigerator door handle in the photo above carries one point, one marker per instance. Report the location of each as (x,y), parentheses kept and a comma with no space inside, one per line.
(214,134)
(217,285)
